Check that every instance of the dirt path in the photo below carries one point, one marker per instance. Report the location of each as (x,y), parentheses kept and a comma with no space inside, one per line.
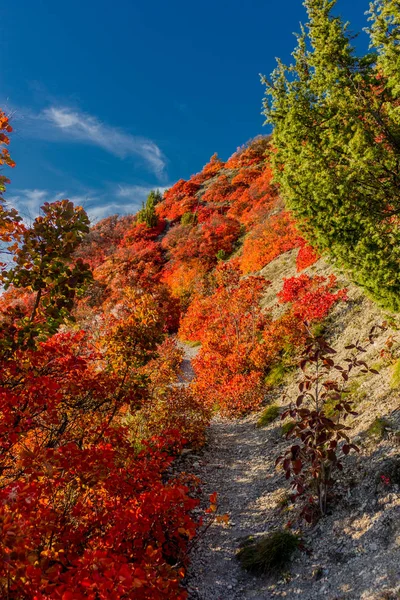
(238,464)
(355,552)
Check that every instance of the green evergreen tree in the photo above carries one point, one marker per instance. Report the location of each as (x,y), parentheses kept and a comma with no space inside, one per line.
(336,119)
(148,214)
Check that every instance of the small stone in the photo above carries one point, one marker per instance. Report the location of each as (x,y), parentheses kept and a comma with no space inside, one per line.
(373,547)
(186,451)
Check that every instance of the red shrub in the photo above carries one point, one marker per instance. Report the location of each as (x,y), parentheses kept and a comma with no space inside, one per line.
(203,241)
(306,257)
(311,297)
(178,200)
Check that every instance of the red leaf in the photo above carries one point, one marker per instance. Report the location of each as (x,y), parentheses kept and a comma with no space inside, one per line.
(297,466)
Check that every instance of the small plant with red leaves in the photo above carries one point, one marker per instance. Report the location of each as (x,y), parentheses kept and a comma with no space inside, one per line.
(313,459)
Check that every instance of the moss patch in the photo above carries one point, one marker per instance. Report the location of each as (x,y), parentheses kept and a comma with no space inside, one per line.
(378,428)
(268,554)
(395,379)
(268,415)
(287,427)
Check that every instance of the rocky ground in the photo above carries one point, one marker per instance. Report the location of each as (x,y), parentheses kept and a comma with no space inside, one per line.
(354,552)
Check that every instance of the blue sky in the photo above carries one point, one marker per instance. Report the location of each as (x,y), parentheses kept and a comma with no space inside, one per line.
(109,100)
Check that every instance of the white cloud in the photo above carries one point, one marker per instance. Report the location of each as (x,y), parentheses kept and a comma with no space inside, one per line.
(81,127)
(126,200)
(100,211)
(138,192)
(29,201)
(62,123)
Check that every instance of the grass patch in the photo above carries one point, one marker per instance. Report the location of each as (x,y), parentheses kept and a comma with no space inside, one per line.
(329,407)
(354,387)
(318,329)
(287,427)
(268,415)
(268,554)
(276,374)
(395,379)
(378,428)
(392,322)
(354,395)
(378,365)
(194,344)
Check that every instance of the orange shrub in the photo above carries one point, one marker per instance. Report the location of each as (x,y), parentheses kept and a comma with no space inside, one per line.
(182,410)
(183,277)
(268,240)
(228,322)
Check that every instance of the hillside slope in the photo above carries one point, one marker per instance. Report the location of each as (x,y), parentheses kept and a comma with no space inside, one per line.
(243,281)
(98,401)
(353,552)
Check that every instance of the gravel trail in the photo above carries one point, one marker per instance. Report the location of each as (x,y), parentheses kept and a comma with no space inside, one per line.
(238,464)
(354,552)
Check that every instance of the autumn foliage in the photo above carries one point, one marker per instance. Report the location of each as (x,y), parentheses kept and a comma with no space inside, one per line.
(268,240)
(94,408)
(311,298)
(228,323)
(85,509)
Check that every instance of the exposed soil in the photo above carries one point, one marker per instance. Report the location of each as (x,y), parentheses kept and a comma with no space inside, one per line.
(355,551)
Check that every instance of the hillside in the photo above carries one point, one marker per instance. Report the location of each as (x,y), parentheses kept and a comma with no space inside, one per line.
(231,256)
(354,551)
(200,400)
(218,264)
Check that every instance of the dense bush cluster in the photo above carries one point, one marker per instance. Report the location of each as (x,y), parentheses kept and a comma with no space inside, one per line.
(85,508)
